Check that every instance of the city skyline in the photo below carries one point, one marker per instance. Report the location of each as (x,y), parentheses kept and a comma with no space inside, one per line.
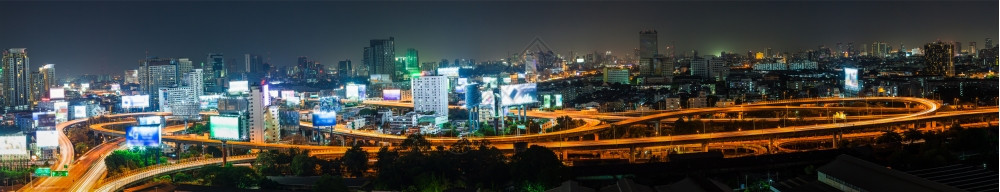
(119,34)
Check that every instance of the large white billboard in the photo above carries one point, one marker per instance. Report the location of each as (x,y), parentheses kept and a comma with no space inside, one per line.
(47,139)
(135,101)
(225,127)
(57,93)
(355,91)
(79,111)
(13,145)
(62,111)
(448,71)
(518,94)
(851,79)
(239,87)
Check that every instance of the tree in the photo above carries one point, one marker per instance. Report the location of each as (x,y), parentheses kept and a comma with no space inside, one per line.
(327,183)
(267,163)
(415,142)
(214,151)
(890,139)
(912,135)
(303,165)
(537,164)
(356,161)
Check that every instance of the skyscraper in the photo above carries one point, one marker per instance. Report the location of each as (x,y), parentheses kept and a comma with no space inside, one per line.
(989,43)
(43,80)
(184,65)
(345,68)
(379,57)
(156,73)
(16,79)
(647,49)
(412,61)
(940,59)
(253,66)
(214,72)
(972,48)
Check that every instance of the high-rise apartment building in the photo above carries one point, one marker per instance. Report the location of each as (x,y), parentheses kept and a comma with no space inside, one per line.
(16,79)
(44,79)
(257,111)
(616,75)
(345,68)
(214,73)
(184,65)
(940,59)
(379,57)
(710,67)
(156,73)
(131,76)
(430,93)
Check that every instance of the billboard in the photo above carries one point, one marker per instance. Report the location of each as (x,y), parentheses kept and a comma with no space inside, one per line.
(546,101)
(225,127)
(44,120)
(274,93)
(448,71)
(518,94)
(79,111)
(488,99)
(355,91)
(57,93)
(390,94)
(143,135)
(47,139)
(286,94)
(62,110)
(324,118)
(239,87)
(558,100)
(135,101)
(851,79)
(460,85)
(288,117)
(150,120)
(13,145)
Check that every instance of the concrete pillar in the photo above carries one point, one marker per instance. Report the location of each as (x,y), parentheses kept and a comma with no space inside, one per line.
(657,126)
(596,137)
(631,155)
(835,140)
(565,155)
(770,146)
(704,146)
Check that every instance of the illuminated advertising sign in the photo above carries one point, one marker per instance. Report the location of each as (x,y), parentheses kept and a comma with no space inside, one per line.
(209,101)
(490,82)
(79,111)
(150,120)
(44,120)
(460,85)
(546,101)
(143,135)
(851,79)
(266,90)
(448,71)
(225,127)
(116,87)
(355,91)
(558,100)
(135,101)
(390,94)
(518,94)
(274,93)
(473,96)
(57,93)
(506,80)
(46,139)
(236,87)
(324,118)
(287,94)
(13,145)
(62,111)
(488,99)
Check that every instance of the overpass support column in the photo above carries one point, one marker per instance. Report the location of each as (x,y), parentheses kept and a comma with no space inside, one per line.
(704,146)
(596,137)
(657,126)
(836,139)
(631,154)
(770,146)
(565,155)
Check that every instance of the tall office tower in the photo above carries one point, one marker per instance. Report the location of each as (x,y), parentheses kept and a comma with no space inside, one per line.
(184,65)
(214,73)
(181,101)
(379,57)
(156,73)
(37,84)
(194,79)
(666,68)
(131,76)
(253,66)
(710,67)
(767,53)
(940,59)
(647,49)
(699,67)
(956,48)
(16,79)
(972,48)
(430,93)
(412,62)
(879,49)
(989,43)
(345,69)
(47,79)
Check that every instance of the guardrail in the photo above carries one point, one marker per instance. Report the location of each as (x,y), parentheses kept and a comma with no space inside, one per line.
(119,181)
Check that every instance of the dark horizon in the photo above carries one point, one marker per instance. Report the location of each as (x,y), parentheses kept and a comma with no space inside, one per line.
(77,36)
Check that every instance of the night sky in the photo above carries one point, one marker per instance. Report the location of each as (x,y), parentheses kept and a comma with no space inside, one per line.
(110,37)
